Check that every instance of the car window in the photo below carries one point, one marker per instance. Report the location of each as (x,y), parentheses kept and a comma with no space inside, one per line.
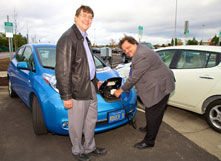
(166,56)
(47,56)
(195,59)
(212,60)
(27,57)
(27,54)
(98,63)
(19,56)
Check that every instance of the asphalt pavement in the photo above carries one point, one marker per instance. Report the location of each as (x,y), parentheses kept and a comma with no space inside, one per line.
(19,143)
(182,136)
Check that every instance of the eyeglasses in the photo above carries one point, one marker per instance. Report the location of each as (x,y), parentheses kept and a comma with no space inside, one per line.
(86,16)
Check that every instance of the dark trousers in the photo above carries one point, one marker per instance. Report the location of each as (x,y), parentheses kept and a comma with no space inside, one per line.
(154,116)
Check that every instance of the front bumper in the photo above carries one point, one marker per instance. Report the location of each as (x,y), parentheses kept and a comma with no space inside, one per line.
(56,116)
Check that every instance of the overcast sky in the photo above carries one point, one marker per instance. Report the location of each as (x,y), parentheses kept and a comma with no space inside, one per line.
(46,20)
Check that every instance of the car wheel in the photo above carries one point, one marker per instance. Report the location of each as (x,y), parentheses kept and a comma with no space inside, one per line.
(37,118)
(124,59)
(213,115)
(11,92)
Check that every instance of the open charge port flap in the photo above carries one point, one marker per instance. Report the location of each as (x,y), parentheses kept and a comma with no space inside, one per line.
(107,89)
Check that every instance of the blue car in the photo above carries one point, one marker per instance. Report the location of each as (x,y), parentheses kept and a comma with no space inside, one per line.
(31,77)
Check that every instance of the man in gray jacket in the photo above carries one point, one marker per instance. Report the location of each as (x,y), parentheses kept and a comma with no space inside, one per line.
(154,82)
(76,80)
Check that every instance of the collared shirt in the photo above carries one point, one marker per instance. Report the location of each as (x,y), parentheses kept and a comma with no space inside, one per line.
(130,72)
(89,55)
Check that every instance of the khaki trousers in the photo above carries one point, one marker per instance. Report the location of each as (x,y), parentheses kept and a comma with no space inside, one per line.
(82,119)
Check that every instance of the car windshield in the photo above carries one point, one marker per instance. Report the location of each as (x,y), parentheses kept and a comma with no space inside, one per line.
(47,57)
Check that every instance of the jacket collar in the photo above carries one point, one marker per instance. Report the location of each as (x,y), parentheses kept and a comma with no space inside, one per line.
(78,33)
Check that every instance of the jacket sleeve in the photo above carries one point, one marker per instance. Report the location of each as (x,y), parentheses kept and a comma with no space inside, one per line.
(139,67)
(63,67)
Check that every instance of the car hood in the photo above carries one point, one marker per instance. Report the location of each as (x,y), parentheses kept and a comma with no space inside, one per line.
(106,73)
(102,73)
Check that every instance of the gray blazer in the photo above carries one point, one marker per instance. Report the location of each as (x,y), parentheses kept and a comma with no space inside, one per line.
(152,78)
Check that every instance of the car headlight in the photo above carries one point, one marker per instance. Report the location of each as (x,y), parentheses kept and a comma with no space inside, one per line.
(51,80)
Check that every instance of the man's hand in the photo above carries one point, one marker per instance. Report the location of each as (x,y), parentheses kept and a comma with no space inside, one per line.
(99,84)
(118,92)
(68,104)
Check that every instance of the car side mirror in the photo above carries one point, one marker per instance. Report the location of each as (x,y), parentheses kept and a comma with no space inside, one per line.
(23,65)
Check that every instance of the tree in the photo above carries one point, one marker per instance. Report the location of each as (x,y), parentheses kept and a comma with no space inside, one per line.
(112,43)
(192,42)
(177,42)
(172,42)
(4,40)
(20,39)
(214,40)
(201,42)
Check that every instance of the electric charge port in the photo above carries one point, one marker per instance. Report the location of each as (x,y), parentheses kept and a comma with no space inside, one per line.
(108,88)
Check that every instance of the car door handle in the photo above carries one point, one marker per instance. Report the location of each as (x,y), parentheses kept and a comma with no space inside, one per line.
(206,77)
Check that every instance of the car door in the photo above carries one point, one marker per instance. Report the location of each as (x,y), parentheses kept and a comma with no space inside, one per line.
(24,76)
(13,72)
(196,74)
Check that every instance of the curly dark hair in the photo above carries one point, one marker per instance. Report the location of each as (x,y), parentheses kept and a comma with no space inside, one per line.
(130,39)
(86,9)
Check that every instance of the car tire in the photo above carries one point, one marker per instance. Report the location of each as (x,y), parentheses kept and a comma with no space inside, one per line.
(11,92)
(213,115)
(37,118)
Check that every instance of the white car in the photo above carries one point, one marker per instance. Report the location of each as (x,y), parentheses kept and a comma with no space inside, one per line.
(197,70)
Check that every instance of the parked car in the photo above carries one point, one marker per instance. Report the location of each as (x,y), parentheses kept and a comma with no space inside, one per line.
(126,58)
(96,50)
(116,50)
(197,70)
(148,44)
(31,76)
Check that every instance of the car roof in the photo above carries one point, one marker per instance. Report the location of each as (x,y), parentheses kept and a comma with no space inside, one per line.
(41,45)
(193,47)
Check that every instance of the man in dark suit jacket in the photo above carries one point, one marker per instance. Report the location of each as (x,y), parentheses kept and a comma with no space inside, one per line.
(154,82)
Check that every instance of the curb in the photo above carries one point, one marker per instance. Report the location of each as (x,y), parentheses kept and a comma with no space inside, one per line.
(3,74)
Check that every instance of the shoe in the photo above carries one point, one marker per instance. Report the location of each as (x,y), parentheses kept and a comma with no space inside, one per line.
(143,129)
(143,145)
(81,157)
(98,152)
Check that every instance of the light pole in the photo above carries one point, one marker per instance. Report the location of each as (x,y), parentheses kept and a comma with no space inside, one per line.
(174,42)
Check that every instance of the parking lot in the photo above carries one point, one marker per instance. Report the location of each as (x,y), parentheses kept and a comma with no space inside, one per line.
(183,136)
(18,141)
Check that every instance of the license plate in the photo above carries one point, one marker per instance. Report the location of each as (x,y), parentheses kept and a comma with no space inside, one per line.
(116,116)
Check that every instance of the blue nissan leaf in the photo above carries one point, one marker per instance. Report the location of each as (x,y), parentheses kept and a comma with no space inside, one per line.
(31,77)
